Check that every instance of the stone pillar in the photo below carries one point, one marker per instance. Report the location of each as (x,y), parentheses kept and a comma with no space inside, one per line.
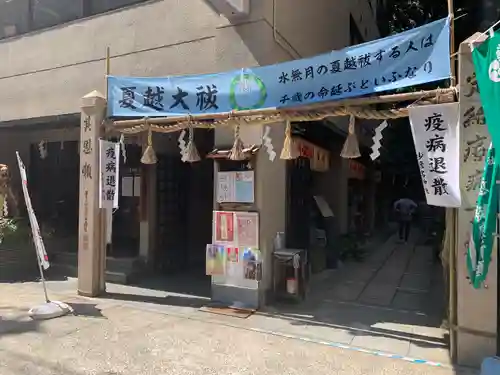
(91,237)
(270,201)
(476,308)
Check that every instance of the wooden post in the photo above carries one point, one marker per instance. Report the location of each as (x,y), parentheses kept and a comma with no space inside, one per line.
(91,241)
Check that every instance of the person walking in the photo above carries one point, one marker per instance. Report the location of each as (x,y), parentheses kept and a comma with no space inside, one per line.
(404,208)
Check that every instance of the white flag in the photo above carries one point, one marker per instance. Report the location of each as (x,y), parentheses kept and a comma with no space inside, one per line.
(435,130)
(43,259)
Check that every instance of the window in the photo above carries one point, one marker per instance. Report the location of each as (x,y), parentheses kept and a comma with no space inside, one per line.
(14,17)
(101,6)
(22,16)
(47,13)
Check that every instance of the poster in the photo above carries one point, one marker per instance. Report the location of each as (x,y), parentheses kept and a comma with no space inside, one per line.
(244,187)
(247,229)
(435,130)
(225,189)
(235,187)
(233,254)
(233,264)
(215,260)
(109,158)
(252,264)
(224,227)
(237,233)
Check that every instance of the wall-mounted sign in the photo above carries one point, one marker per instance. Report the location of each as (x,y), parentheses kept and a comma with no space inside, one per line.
(319,157)
(235,187)
(356,170)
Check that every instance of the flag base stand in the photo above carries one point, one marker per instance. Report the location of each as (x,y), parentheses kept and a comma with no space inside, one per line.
(49,310)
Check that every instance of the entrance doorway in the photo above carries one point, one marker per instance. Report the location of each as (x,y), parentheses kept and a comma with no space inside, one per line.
(184,204)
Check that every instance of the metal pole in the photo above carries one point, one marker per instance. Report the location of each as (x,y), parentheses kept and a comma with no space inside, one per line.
(42,277)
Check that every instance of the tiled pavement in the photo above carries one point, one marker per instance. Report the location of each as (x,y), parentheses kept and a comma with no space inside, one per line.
(391,302)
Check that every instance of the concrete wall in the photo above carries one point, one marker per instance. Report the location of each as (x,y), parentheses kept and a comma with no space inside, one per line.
(46,73)
(270,197)
(476,308)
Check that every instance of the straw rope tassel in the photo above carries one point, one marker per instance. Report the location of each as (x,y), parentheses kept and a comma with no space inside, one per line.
(237,149)
(289,150)
(4,212)
(191,154)
(149,156)
(351,145)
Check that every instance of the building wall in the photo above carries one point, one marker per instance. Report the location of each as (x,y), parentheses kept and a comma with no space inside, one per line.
(45,73)
(476,308)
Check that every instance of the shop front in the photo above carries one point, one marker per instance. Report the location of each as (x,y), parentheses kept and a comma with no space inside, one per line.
(277,182)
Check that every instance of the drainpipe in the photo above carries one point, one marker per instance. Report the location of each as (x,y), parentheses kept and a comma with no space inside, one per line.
(277,38)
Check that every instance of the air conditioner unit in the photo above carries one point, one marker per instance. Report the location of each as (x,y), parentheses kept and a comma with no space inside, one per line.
(240,7)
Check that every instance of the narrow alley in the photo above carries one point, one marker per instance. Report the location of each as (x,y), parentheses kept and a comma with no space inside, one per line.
(394,301)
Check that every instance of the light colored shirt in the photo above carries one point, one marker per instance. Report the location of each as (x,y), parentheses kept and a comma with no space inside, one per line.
(405,207)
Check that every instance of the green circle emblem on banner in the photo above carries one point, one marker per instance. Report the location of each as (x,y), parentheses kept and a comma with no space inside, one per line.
(248,77)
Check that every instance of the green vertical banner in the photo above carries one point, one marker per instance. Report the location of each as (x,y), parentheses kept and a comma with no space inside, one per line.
(484,223)
(486,58)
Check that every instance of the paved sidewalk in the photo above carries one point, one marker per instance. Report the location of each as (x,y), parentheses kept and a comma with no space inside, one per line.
(393,301)
(115,337)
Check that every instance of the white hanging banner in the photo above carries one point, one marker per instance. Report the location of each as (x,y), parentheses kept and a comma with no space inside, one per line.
(43,259)
(109,162)
(435,130)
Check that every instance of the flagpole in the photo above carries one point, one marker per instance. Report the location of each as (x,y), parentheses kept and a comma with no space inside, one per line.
(451,14)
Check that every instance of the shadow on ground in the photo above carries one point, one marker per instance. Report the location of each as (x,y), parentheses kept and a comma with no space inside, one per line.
(170,300)
(17,324)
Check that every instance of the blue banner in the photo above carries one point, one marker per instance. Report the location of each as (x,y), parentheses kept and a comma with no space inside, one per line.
(414,57)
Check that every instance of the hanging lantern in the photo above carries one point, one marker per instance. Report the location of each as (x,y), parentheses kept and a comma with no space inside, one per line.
(149,155)
(191,154)
(351,145)
(289,150)
(236,152)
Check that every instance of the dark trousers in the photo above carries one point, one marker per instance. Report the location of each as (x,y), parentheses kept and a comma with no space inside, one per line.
(404,230)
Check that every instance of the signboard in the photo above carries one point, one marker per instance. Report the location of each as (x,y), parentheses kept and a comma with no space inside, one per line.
(414,57)
(435,130)
(109,159)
